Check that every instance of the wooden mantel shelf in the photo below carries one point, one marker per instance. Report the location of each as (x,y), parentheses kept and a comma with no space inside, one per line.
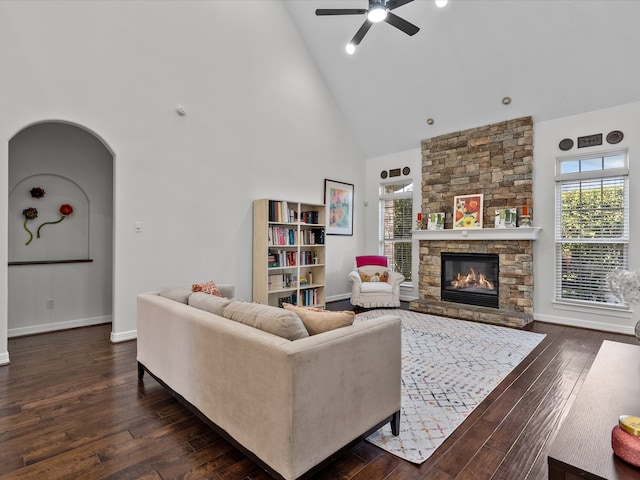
(466,234)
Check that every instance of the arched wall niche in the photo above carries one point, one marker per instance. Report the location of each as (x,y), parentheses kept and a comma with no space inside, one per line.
(74,165)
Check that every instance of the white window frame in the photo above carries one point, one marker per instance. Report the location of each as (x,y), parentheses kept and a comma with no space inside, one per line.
(382,197)
(603,174)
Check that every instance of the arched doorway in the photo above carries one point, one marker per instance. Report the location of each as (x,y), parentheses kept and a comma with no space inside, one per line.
(63,277)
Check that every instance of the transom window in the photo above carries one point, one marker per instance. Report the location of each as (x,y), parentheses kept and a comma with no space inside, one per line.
(396,216)
(592,226)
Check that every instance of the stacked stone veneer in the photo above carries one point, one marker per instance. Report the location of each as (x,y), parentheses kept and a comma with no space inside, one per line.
(497,161)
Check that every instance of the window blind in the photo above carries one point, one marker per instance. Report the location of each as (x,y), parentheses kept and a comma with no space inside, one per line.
(396,225)
(592,236)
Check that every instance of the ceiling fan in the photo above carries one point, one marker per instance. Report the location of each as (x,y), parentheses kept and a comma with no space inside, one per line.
(378,11)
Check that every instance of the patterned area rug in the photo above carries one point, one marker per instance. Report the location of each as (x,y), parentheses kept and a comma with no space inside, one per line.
(448,367)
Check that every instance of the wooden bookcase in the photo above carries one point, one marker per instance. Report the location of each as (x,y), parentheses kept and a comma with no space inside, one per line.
(288,253)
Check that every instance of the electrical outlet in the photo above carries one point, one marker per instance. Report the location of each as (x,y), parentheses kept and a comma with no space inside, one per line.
(50,303)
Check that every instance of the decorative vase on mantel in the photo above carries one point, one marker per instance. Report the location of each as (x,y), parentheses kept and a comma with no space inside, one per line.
(625,285)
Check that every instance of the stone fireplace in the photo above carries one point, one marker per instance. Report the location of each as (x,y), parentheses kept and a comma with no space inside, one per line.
(497,161)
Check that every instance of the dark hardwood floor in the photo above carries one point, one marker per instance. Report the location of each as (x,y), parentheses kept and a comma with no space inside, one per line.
(71,407)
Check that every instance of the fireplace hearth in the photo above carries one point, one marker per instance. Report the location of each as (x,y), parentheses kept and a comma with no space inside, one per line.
(470,278)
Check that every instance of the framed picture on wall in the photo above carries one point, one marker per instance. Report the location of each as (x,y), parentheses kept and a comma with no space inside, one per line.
(338,198)
(467,211)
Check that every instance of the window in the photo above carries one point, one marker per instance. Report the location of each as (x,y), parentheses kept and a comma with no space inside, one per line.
(396,217)
(592,226)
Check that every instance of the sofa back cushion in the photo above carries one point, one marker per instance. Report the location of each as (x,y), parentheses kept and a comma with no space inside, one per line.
(277,321)
(209,303)
(177,294)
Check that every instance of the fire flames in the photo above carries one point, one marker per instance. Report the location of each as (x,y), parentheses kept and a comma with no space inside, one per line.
(471,280)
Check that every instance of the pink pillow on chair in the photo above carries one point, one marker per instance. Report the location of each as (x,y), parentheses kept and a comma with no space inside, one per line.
(378,260)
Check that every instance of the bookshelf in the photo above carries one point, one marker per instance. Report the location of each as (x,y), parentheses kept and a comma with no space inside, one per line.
(288,253)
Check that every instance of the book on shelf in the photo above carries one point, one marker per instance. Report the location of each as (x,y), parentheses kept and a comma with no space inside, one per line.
(282,236)
(309,258)
(310,216)
(282,280)
(315,236)
(282,258)
(309,296)
(280,212)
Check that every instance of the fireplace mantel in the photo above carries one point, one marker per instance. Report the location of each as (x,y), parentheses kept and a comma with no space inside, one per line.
(466,234)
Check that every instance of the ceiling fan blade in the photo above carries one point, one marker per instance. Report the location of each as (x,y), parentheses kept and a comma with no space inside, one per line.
(397,3)
(340,11)
(357,38)
(401,24)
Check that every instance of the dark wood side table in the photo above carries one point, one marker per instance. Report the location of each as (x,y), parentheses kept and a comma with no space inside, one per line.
(582,448)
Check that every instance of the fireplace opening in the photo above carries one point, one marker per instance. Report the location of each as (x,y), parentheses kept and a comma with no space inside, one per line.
(470,278)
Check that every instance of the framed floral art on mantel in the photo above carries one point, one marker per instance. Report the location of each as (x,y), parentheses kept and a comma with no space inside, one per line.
(467,211)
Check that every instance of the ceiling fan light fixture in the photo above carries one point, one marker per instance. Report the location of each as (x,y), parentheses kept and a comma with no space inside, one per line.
(377,13)
(350,48)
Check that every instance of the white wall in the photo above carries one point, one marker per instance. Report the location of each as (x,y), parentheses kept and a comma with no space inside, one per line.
(413,160)
(547,135)
(260,122)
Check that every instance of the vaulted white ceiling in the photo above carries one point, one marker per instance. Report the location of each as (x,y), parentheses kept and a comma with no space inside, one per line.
(554,58)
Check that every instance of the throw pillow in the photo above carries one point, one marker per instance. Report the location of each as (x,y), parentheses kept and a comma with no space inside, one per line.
(178,294)
(364,277)
(274,320)
(209,303)
(208,287)
(317,320)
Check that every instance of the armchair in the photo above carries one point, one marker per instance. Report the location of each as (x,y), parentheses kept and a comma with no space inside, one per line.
(383,291)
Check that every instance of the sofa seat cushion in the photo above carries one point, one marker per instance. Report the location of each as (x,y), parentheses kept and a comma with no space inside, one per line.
(377,287)
(209,303)
(317,320)
(277,321)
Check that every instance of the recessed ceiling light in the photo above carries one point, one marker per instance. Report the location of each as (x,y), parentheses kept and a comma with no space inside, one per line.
(506,100)
(430,121)
(441,3)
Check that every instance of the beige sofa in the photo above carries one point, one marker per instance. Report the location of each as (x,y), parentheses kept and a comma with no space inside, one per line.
(290,405)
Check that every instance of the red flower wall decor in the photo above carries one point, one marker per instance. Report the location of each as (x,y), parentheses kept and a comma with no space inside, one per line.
(65,210)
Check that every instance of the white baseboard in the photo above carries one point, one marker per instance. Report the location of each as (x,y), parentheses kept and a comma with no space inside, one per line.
(335,298)
(570,322)
(4,358)
(52,327)
(124,336)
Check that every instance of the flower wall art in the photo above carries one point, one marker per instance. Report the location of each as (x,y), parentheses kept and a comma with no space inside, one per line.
(467,211)
(31,213)
(49,220)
